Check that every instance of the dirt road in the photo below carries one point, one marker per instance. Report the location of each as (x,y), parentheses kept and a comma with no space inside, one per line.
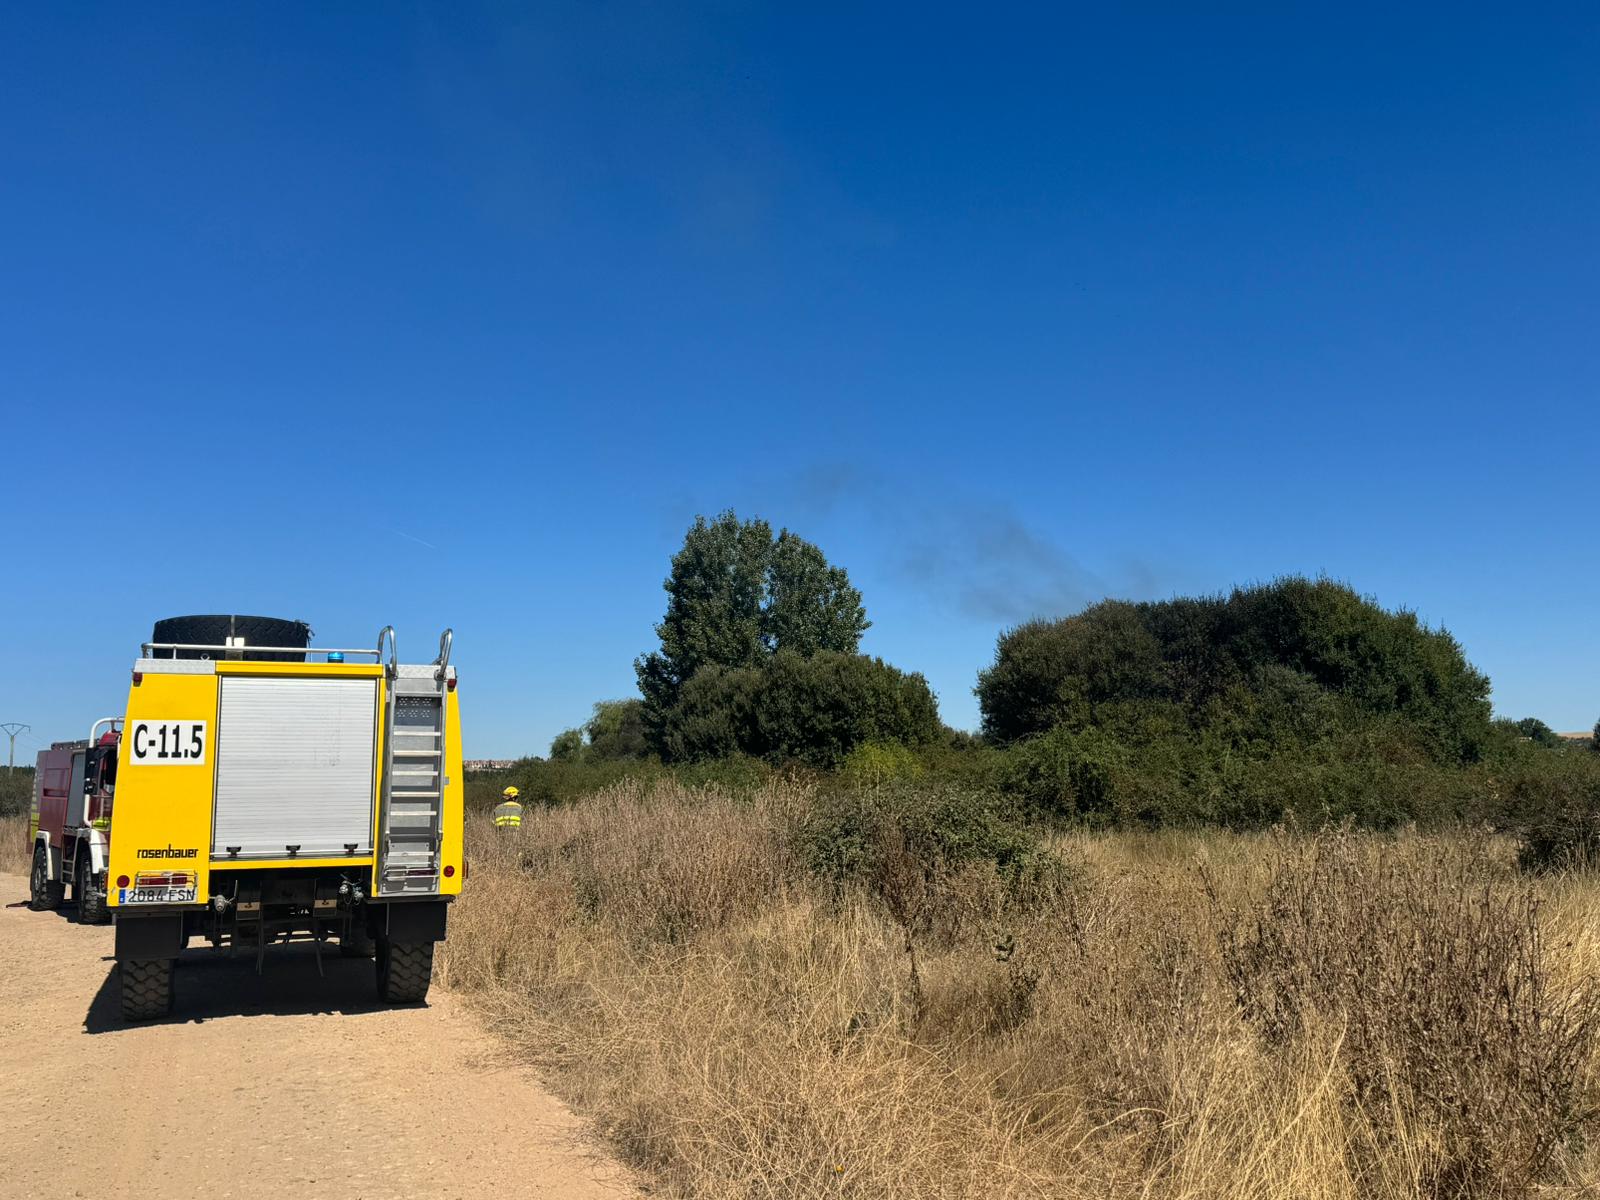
(284,1086)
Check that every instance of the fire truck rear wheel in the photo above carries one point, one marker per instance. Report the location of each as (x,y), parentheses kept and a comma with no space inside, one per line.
(146,988)
(404,971)
(43,892)
(91,901)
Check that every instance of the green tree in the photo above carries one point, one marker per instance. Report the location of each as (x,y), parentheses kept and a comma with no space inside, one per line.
(568,746)
(616,730)
(737,595)
(810,605)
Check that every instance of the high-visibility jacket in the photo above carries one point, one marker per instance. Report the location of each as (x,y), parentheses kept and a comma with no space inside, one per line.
(508,815)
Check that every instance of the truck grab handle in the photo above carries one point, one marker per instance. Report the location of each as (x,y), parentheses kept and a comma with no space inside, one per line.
(147,649)
(394,652)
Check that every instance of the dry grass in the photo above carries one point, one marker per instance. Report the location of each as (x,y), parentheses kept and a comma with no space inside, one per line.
(1266,1017)
(15,850)
(1188,1016)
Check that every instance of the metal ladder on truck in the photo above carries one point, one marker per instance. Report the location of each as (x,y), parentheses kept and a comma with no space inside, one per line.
(410,828)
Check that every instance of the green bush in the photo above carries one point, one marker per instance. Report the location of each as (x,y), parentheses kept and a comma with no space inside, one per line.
(16,791)
(735,773)
(1297,696)
(1079,773)
(1050,673)
(713,716)
(1550,798)
(876,764)
(963,760)
(818,709)
(547,782)
(921,836)
(1286,662)
(1537,731)
(1373,772)
(813,710)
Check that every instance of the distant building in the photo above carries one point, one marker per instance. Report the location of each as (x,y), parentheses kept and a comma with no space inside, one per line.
(488,764)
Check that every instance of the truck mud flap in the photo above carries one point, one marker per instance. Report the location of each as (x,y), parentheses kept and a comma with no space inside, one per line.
(413,921)
(154,935)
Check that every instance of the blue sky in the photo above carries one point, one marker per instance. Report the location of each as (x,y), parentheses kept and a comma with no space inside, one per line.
(458,315)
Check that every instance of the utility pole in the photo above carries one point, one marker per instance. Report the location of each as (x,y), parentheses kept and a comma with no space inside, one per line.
(13,728)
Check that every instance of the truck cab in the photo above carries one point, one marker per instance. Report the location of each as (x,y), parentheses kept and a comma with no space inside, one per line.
(268,794)
(69,824)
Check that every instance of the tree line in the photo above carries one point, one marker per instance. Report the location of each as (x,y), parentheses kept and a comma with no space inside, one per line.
(1294,696)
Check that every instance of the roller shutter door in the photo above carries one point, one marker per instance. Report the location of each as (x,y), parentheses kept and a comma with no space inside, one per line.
(295,766)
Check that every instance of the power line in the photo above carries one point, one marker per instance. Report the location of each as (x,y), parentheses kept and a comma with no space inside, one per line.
(13,728)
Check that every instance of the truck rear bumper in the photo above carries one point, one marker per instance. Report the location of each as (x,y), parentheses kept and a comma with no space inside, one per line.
(163,934)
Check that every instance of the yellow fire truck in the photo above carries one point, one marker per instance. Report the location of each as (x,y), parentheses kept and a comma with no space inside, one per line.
(269,792)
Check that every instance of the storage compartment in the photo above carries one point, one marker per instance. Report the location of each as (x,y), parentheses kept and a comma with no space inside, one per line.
(295,767)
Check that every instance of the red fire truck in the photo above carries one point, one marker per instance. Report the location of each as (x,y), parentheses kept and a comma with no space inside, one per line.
(70,826)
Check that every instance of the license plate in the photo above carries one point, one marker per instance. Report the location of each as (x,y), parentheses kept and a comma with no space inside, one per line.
(155,895)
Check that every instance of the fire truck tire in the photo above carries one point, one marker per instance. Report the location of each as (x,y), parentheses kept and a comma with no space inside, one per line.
(43,892)
(404,971)
(146,988)
(91,902)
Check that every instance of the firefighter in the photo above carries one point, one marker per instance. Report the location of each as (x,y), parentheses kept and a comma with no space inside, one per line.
(508,813)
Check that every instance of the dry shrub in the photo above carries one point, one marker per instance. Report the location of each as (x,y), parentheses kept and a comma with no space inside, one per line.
(743,1054)
(772,1065)
(16,853)
(1455,1034)
(662,863)
(740,1020)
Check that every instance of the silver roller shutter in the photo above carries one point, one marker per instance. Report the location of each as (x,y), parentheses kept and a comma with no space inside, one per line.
(294,765)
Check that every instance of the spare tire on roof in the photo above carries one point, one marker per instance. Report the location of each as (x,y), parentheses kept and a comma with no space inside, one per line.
(216,630)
